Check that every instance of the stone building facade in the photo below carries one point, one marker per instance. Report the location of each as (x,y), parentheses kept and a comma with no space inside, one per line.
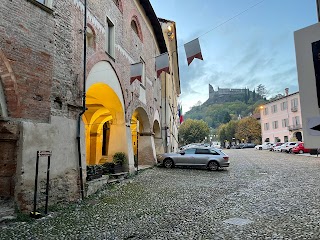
(281,119)
(170,90)
(41,97)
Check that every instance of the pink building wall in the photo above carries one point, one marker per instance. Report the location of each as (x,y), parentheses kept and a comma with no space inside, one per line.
(273,119)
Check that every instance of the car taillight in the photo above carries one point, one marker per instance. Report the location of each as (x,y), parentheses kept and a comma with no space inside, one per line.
(226,158)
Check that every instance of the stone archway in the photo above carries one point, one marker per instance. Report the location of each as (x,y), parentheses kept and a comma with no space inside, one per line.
(104,118)
(8,88)
(9,130)
(142,138)
(157,137)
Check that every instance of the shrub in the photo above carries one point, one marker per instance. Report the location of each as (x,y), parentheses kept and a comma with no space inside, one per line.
(119,158)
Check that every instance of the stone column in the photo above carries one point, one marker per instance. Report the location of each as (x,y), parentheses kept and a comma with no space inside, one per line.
(146,148)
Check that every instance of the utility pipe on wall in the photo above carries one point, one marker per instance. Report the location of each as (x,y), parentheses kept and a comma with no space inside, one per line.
(83,96)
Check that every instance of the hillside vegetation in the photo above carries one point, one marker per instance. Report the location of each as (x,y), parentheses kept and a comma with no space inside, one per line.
(216,114)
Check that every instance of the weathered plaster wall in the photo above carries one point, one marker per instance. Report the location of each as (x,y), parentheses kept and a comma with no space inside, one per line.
(59,137)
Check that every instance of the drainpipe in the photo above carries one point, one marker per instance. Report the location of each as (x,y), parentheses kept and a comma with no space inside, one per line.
(83,96)
(165,114)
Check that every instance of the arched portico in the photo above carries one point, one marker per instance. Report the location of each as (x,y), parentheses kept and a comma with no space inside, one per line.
(142,138)
(104,118)
(157,134)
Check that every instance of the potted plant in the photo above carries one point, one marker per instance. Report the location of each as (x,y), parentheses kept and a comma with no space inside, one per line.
(119,159)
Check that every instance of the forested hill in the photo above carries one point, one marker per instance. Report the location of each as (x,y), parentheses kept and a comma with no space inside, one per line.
(219,113)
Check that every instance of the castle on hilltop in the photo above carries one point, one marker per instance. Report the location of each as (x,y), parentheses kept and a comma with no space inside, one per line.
(223,95)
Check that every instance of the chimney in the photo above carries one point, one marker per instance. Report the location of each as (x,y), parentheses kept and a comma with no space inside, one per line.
(286,91)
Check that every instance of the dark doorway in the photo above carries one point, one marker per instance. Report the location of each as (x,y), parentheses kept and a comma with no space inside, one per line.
(105,137)
(299,136)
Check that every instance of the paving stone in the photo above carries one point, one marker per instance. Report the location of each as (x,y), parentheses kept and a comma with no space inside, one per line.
(263,195)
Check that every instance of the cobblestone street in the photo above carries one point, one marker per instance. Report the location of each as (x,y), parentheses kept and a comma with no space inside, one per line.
(263,195)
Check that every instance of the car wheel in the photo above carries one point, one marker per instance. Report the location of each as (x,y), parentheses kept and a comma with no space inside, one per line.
(213,166)
(260,148)
(168,163)
(290,151)
(300,151)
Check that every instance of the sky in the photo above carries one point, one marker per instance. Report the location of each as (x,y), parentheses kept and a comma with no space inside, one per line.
(244,43)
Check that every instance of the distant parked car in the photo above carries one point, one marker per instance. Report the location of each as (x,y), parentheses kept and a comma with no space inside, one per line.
(288,147)
(300,149)
(216,145)
(248,145)
(264,146)
(210,158)
(278,148)
(275,145)
(238,146)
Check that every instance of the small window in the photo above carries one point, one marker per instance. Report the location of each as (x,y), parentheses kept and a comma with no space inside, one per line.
(273,108)
(294,103)
(143,77)
(134,27)
(284,106)
(202,151)
(275,124)
(285,122)
(213,152)
(296,121)
(190,151)
(265,111)
(110,36)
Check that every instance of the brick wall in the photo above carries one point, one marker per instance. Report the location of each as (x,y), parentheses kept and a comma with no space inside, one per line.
(28,47)
(9,134)
(41,70)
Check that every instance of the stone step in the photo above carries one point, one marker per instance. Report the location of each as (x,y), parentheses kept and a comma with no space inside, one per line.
(103,160)
(94,185)
(121,175)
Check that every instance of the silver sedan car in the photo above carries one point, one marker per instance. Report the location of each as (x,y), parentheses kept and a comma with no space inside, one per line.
(211,158)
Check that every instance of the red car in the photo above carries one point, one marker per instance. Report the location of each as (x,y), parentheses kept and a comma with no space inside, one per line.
(300,149)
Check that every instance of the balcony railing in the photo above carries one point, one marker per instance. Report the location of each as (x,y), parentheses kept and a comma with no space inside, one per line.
(294,127)
(294,109)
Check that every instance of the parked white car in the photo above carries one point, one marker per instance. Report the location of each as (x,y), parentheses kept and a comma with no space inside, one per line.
(216,145)
(278,148)
(264,146)
(287,147)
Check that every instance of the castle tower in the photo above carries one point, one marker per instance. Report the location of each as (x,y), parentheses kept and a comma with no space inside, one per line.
(211,91)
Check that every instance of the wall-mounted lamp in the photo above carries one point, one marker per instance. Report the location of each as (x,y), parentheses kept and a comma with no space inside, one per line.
(170,32)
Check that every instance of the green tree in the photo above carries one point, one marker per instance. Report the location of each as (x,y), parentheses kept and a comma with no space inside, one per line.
(248,129)
(222,133)
(254,95)
(193,131)
(262,91)
(227,131)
